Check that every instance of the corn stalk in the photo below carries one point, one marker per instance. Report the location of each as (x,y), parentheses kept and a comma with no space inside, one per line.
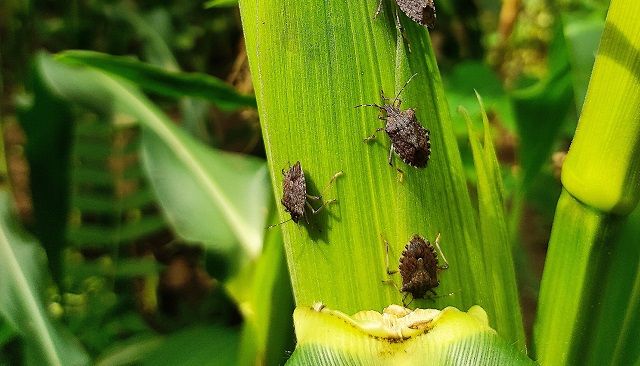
(582,299)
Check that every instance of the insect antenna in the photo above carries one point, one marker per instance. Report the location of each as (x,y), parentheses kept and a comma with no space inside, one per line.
(401,89)
(280,223)
(368,105)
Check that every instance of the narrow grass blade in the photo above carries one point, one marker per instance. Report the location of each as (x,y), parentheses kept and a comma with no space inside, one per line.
(158,80)
(496,243)
(22,282)
(220,3)
(267,331)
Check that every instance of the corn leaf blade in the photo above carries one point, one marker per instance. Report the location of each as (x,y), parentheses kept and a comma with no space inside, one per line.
(21,302)
(312,63)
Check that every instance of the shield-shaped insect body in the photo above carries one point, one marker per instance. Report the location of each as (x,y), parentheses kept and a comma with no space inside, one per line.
(295,198)
(419,267)
(409,140)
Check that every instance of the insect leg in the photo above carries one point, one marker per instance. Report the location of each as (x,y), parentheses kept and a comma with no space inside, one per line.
(379,10)
(404,298)
(390,159)
(382,97)
(390,282)
(386,259)
(315,198)
(373,136)
(315,211)
(333,179)
(368,105)
(437,244)
(433,298)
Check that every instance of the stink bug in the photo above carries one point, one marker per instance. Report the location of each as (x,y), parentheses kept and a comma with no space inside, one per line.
(419,267)
(295,198)
(408,138)
(422,12)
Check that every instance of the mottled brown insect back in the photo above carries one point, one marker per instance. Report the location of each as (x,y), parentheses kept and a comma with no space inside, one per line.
(409,140)
(422,12)
(294,187)
(295,198)
(419,267)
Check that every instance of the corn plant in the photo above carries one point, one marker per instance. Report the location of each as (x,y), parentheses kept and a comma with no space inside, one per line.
(362,54)
(315,64)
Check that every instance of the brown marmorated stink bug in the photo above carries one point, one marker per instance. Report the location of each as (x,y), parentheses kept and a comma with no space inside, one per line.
(418,267)
(295,198)
(408,138)
(422,12)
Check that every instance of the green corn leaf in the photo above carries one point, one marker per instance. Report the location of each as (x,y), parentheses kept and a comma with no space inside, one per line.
(158,80)
(493,225)
(155,31)
(576,260)
(224,195)
(609,127)
(584,294)
(7,333)
(460,83)
(267,304)
(312,62)
(195,346)
(22,282)
(152,37)
(616,328)
(129,352)
(400,337)
(210,196)
(220,4)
